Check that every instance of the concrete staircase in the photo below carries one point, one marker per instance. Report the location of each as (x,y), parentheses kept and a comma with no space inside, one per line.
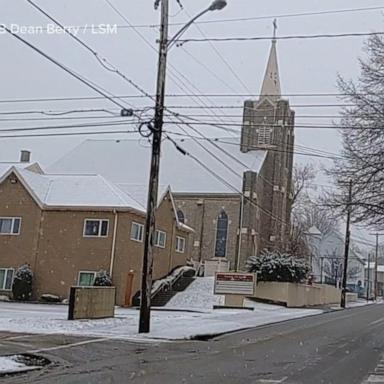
(161,298)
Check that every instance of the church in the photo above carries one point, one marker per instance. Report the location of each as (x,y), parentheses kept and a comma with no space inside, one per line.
(237,206)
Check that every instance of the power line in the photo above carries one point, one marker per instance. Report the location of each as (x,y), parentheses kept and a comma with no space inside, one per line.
(260,109)
(224,181)
(292,37)
(222,58)
(81,78)
(258,148)
(281,16)
(173,68)
(58,113)
(64,134)
(296,126)
(103,61)
(85,125)
(95,26)
(24,132)
(173,95)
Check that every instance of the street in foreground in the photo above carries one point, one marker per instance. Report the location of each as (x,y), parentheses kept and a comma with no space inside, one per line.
(342,347)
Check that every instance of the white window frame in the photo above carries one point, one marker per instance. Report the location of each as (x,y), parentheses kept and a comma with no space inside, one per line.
(180,240)
(88,272)
(157,236)
(100,227)
(12,226)
(141,232)
(2,287)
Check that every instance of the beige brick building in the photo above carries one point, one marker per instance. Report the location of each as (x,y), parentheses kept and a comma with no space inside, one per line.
(235,192)
(69,227)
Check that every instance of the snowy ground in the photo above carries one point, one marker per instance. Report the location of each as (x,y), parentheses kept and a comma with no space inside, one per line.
(199,296)
(165,324)
(11,365)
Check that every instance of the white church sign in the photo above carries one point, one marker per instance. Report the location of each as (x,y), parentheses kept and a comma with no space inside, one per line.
(235,284)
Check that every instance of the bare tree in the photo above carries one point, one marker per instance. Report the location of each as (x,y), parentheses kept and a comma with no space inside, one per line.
(362,126)
(303,176)
(307,211)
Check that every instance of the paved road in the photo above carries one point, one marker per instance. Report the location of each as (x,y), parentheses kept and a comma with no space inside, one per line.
(342,347)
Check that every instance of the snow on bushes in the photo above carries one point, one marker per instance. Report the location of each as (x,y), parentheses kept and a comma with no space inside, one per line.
(22,283)
(103,279)
(276,266)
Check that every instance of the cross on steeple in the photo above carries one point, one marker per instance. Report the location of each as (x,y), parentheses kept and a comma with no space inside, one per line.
(271,83)
(274,29)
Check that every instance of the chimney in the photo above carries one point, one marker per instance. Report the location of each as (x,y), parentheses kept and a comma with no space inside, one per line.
(25,156)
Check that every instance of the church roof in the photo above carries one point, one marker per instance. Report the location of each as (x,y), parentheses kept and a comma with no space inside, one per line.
(271,84)
(128,161)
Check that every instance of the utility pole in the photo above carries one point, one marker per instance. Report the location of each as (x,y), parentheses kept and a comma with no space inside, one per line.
(369,268)
(150,226)
(346,250)
(376,284)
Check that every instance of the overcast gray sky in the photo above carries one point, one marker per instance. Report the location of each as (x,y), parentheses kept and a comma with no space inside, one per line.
(306,66)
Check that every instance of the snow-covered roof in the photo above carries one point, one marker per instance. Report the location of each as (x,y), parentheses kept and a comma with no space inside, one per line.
(128,161)
(332,245)
(5,166)
(139,192)
(380,268)
(73,191)
(314,231)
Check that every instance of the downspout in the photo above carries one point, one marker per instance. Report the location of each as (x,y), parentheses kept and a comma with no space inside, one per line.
(240,233)
(171,250)
(202,232)
(37,249)
(113,250)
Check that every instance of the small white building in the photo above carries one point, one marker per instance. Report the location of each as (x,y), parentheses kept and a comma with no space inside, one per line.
(370,277)
(327,259)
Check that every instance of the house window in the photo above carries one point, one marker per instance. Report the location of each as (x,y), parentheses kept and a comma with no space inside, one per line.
(221,235)
(96,228)
(181,216)
(6,279)
(86,279)
(160,239)
(180,244)
(137,232)
(10,225)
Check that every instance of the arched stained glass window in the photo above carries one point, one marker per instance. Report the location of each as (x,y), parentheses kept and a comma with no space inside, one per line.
(221,235)
(181,216)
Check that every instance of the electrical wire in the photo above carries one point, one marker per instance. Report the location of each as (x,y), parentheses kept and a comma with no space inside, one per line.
(174,72)
(172,95)
(292,37)
(221,57)
(243,19)
(79,77)
(224,181)
(102,60)
(56,134)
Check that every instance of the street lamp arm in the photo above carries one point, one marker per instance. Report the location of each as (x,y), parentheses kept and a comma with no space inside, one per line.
(217,5)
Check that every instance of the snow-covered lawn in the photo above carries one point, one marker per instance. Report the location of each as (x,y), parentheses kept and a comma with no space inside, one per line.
(165,324)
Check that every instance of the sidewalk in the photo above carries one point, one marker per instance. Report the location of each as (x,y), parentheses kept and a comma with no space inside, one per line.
(165,324)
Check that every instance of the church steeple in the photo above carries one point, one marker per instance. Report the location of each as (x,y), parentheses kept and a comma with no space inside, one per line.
(271,83)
